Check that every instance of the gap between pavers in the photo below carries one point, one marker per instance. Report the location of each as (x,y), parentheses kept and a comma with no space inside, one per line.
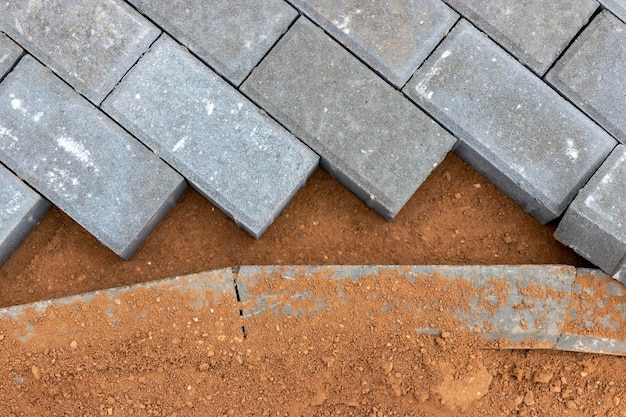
(522,307)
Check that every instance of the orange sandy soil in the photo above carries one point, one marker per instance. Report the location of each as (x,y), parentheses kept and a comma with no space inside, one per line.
(331,364)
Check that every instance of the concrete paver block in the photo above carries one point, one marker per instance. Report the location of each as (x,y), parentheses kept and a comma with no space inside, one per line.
(534,31)
(617,7)
(10,52)
(594,224)
(514,129)
(89,43)
(82,161)
(592,73)
(229,150)
(370,137)
(21,209)
(231,36)
(393,37)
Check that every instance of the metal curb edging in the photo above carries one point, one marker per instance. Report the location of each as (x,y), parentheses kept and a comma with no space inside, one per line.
(542,306)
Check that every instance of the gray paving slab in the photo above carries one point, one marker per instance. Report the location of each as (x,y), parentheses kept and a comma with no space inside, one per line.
(393,37)
(507,302)
(534,31)
(227,148)
(513,128)
(89,43)
(21,209)
(367,134)
(231,36)
(592,73)
(617,7)
(10,52)
(82,161)
(594,225)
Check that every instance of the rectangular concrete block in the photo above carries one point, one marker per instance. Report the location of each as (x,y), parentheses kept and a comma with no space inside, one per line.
(368,135)
(617,7)
(10,52)
(82,161)
(393,37)
(89,43)
(231,36)
(228,149)
(594,225)
(534,31)
(513,128)
(592,73)
(21,209)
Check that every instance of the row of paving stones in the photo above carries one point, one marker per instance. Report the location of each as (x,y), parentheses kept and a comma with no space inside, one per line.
(547,307)
(102,80)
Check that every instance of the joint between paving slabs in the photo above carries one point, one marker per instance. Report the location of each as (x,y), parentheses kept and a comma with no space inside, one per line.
(97,106)
(562,95)
(595,13)
(235,272)
(127,71)
(358,58)
(270,49)
(164,31)
(501,46)
(17,61)
(443,38)
(424,110)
